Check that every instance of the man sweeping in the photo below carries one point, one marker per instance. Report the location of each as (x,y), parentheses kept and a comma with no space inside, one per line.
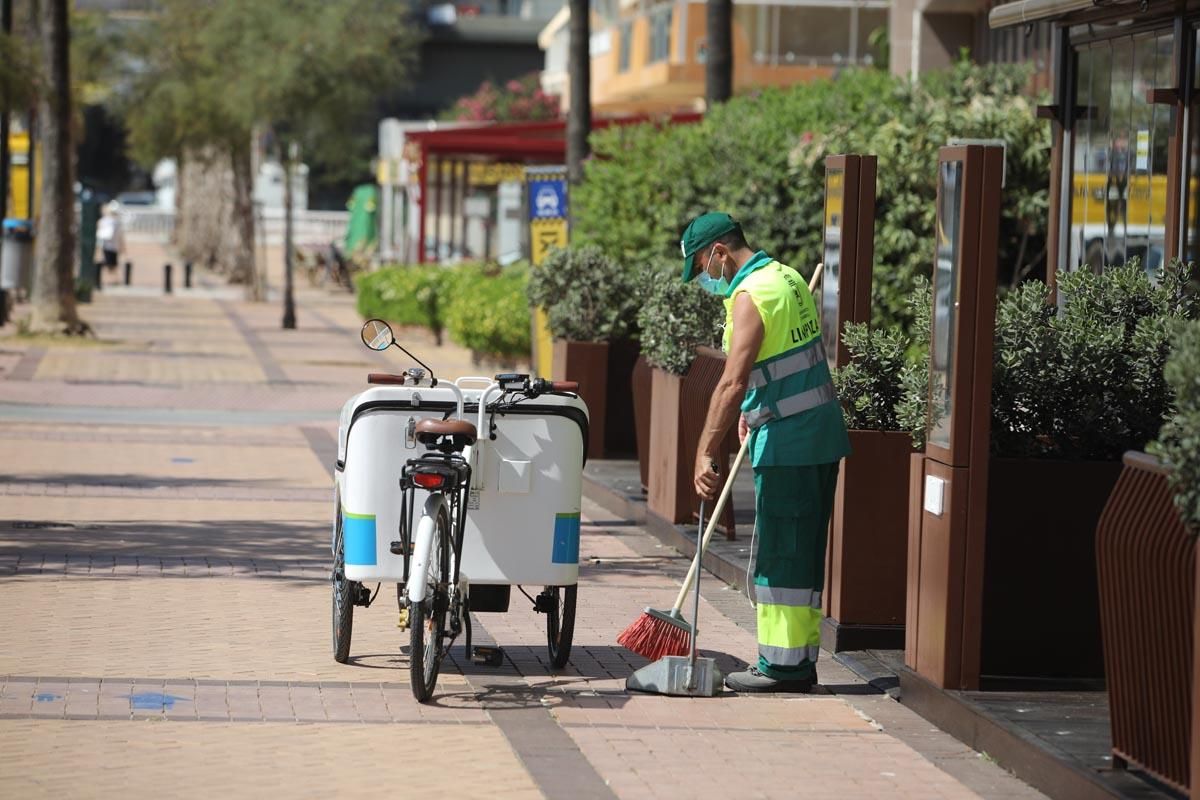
(777,376)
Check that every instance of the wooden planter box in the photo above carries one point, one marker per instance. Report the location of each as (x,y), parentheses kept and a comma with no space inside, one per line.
(1146,563)
(1041,615)
(586,362)
(640,386)
(677,410)
(1032,573)
(868,544)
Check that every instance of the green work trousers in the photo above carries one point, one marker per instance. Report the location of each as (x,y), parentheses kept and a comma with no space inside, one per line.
(792,510)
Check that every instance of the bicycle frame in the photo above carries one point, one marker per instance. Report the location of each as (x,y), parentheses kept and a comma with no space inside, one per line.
(416,575)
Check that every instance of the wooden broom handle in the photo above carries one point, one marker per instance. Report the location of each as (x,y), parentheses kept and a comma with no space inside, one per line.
(715,514)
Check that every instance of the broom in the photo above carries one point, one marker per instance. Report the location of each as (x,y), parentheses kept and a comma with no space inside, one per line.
(656,633)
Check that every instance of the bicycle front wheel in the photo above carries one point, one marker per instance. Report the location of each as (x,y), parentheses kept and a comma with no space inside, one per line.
(427,619)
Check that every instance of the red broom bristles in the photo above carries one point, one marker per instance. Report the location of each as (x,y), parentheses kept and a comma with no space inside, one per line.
(652,638)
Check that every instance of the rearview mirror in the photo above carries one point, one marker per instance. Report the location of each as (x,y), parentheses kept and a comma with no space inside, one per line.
(377,334)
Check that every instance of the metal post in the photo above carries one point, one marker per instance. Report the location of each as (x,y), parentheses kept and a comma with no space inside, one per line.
(167,279)
(98,268)
(128,272)
(6,27)
(466,187)
(454,205)
(187,275)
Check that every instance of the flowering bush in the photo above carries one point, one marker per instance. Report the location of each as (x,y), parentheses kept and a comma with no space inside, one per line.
(519,100)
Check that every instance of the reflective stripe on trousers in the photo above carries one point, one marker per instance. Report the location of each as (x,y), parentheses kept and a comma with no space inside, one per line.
(788,635)
(794,404)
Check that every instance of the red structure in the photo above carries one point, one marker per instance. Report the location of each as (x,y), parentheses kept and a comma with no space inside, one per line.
(528,143)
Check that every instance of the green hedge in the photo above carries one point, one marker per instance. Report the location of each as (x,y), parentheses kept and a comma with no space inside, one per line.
(404,295)
(487,310)
(483,308)
(761,158)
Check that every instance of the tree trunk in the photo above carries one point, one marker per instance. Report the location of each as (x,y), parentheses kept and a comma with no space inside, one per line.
(579,112)
(240,243)
(289,302)
(54,282)
(718,73)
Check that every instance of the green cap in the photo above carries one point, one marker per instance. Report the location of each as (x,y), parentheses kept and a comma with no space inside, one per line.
(700,233)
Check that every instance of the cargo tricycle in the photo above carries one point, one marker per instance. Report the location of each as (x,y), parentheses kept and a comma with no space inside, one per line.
(456,492)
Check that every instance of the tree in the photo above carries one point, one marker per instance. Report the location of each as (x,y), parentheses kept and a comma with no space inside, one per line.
(718,72)
(310,72)
(53,296)
(579,65)
(179,108)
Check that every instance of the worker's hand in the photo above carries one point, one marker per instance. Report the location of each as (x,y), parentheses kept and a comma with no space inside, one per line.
(706,478)
(743,429)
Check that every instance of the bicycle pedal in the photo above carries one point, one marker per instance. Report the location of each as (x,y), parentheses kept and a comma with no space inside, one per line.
(402,622)
(488,656)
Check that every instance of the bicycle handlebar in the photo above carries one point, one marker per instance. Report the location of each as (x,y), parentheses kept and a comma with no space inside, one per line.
(541,386)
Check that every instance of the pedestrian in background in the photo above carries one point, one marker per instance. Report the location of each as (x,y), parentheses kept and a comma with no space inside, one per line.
(777,377)
(110,237)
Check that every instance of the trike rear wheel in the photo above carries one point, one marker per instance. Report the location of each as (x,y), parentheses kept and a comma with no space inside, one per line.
(427,618)
(560,623)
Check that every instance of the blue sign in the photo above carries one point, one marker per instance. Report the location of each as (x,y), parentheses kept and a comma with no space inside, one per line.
(548,199)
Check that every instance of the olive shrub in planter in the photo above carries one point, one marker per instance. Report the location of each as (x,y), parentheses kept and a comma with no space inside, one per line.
(675,319)
(591,304)
(1075,385)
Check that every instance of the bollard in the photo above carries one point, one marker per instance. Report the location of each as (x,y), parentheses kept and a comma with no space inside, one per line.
(128,272)
(187,275)
(167,279)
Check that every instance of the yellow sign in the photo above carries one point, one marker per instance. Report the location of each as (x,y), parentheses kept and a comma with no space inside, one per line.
(544,235)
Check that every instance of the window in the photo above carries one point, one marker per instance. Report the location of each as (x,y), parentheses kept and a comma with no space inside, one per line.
(660,34)
(624,36)
(1119,171)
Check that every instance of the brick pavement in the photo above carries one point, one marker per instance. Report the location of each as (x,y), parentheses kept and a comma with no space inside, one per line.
(164,606)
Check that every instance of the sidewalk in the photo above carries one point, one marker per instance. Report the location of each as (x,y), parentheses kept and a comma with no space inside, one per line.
(164,602)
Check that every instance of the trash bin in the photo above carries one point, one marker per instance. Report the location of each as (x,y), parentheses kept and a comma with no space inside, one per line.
(16,255)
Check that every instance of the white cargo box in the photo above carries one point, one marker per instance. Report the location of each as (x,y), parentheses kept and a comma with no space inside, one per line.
(523,514)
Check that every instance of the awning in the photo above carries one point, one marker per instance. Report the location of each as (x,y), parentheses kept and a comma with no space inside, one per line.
(1024,11)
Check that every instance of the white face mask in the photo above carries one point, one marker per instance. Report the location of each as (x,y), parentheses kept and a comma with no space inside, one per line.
(717,286)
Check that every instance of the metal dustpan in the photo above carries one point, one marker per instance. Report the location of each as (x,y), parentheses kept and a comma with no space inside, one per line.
(678,675)
(687,676)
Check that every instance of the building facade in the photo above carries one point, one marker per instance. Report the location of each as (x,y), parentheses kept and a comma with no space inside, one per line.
(649,57)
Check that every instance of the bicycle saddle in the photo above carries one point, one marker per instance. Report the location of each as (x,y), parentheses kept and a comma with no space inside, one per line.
(429,430)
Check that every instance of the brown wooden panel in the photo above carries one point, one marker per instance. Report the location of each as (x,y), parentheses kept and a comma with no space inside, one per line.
(865,253)
(979,407)
(868,542)
(587,363)
(664,444)
(916,485)
(940,572)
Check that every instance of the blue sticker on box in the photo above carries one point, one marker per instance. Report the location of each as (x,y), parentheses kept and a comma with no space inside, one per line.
(566,539)
(358,534)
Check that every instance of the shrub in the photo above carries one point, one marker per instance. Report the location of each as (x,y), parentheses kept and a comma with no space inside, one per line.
(487,312)
(1178,443)
(588,297)
(869,385)
(1085,380)
(405,295)
(676,318)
